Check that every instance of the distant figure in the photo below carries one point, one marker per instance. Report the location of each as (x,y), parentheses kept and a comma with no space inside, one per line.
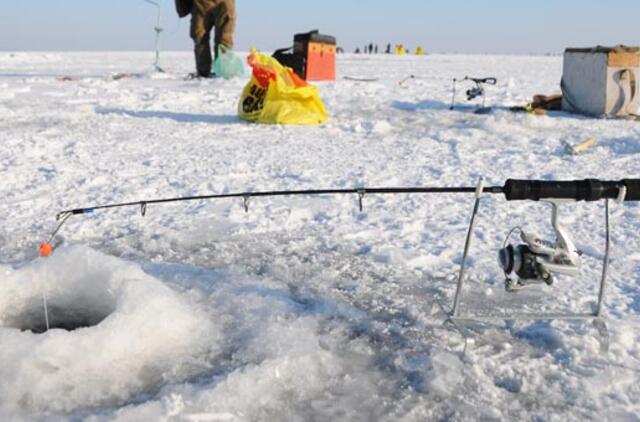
(357,51)
(388,50)
(371,48)
(205,15)
(376,49)
(339,50)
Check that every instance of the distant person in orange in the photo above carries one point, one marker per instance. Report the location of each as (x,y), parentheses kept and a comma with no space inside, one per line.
(205,16)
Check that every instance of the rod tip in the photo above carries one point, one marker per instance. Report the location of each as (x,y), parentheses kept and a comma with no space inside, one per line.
(46,249)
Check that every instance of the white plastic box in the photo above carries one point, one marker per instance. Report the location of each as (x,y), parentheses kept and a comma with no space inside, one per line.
(602,81)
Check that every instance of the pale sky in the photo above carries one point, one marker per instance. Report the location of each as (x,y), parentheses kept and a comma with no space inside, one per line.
(489,26)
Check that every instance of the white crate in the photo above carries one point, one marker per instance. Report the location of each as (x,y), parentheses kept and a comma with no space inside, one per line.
(602,81)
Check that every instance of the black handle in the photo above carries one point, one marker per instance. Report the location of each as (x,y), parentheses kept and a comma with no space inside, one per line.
(578,190)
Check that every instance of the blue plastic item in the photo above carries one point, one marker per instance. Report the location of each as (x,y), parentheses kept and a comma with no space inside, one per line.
(227,65)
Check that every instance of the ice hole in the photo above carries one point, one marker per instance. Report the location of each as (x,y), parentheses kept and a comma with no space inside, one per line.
(66,312)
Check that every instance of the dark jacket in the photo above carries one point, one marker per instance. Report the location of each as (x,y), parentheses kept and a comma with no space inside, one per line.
(183,7)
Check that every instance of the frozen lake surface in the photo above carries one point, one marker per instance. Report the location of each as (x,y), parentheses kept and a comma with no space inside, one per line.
(304,308)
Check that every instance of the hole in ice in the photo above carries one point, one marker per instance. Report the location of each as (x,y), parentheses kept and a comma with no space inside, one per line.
(68,309)
(69,318)
(118,334)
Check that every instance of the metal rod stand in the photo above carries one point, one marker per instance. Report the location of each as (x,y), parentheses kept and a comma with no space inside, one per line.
(596,316)
(467,246)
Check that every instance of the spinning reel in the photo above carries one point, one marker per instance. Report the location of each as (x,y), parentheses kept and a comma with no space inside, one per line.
(537,261)
(472,93)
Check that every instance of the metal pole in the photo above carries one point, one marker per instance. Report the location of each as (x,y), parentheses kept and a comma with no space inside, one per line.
(453,95)
(605,269)
(467,246)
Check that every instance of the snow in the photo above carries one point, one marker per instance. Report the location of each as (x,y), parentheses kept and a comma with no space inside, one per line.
(304,308)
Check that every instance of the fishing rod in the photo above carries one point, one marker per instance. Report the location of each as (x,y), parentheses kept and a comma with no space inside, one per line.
(477,91)
(403,81)
(63,216)
(526,263)
(158,29)
(47,248)
(513,190)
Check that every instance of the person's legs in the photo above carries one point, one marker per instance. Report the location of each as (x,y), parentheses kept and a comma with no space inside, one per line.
(224,19)
(200,33)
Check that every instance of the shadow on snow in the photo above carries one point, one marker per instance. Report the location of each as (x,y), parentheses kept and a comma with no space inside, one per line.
(178,117)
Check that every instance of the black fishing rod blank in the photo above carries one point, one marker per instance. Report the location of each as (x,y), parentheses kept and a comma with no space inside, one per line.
(266,194)
(47,248)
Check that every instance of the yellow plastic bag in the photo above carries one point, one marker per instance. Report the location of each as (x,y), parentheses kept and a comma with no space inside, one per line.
(276,95)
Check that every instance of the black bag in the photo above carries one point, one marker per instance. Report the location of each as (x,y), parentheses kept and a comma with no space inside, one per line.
(183,7)
(289,58)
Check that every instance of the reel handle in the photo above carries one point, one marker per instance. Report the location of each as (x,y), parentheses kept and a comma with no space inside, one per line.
(577,190)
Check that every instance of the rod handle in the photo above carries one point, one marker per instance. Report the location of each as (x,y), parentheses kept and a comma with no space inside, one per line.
(577,190)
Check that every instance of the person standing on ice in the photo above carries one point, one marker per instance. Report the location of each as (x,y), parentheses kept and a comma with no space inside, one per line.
(205,16)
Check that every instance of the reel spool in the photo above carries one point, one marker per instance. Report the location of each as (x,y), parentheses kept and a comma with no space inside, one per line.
(537,261)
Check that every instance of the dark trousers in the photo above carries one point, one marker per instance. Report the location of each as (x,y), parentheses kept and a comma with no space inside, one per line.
(221,16)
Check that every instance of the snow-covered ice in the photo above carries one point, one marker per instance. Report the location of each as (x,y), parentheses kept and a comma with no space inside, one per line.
(304,308)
